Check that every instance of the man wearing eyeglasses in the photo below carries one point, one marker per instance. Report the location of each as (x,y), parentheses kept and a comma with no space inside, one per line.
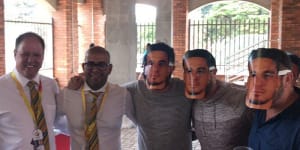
(95,110)
(271,93)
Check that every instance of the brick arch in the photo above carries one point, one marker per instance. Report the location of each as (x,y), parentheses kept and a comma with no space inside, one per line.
(193,4)
(149,2)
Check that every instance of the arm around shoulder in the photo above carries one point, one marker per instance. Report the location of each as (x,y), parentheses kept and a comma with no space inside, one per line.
(129,107)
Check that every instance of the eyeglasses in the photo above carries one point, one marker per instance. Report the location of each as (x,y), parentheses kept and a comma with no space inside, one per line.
(99,65)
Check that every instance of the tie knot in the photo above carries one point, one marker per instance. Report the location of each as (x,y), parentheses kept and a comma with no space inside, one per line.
(95,94)
(31,84)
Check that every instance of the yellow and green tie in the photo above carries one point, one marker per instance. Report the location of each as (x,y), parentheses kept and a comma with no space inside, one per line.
(91,127)
(37,108)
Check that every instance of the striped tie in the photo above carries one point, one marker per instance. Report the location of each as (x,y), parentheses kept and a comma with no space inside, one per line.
(37,108)
(91,127)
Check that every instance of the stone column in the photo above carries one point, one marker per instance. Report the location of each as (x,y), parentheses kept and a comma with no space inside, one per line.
(121,39)
(2,35)
(163,21)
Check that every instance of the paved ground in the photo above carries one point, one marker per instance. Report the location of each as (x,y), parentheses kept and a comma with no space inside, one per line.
(128,136)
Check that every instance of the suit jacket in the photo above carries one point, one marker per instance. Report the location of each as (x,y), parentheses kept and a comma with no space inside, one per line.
(109,118)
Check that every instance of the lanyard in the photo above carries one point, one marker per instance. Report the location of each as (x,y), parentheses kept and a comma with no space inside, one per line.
(23,95)
(102,100)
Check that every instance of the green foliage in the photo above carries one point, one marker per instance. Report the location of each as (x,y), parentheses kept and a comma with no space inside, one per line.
(235,10)
(229,19)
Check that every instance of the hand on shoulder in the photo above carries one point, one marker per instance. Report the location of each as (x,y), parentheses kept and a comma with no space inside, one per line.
(76,82)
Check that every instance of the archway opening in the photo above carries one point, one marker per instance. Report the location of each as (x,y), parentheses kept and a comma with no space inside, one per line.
(146,28)
(229,30)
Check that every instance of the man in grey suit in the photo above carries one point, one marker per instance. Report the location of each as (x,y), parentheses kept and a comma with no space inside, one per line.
(94,111)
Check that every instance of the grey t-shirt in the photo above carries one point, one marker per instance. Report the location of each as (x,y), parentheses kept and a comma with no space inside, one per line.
(162,118)
(222,121)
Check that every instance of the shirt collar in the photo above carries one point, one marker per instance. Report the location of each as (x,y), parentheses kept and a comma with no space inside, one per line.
(23,80)
(87,88)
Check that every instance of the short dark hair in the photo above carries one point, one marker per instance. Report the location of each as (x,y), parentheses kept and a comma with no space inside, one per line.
(210,60)
(25,35)
(160,47)
(278,56)
(294,59)
(95,50)
(92,45)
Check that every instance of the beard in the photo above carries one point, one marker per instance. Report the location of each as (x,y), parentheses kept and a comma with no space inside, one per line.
(193,92)
(259,102)
(96,83)
(159,85)
(209,86)
(276,95)
(155,83)
(204,91)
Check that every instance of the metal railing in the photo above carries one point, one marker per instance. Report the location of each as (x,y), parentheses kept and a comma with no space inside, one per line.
(145,34)
(227,38)
(236,64)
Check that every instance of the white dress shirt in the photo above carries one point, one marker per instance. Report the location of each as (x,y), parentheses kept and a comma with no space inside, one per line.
(16,122)
(108,120)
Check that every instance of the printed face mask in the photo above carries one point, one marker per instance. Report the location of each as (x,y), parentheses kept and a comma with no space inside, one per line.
(196,77)
(264,83)
(157,70)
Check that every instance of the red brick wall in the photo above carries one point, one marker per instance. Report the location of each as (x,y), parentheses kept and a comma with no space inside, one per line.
(2,46)
(285,25)
(290,39)
(65,40)
(180,33)
(76,25)
(275,24)
(91,23)
(99,23)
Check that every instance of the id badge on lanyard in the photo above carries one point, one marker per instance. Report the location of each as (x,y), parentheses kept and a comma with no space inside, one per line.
(37,134)
(37,139)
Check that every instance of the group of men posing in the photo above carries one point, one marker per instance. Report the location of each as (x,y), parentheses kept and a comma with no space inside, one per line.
(265,115)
